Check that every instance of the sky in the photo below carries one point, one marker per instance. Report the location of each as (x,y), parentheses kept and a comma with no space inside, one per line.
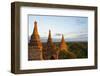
(73,28)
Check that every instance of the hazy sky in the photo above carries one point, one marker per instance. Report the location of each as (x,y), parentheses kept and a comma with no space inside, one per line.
(73,28)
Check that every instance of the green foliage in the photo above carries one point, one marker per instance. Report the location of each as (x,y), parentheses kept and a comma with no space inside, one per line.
(80,49)
(62,55)
(76,50)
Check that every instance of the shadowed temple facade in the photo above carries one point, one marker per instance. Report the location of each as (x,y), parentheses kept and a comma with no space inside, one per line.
(48,51)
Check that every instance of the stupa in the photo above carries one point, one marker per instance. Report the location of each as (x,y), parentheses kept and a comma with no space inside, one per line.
(67,54)
(35,45)
(50,42)
(63,45)
(51,51)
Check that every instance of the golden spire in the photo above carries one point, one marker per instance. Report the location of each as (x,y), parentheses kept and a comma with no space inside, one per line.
(63,45)
(49,41)
(35,39)
(63,41)
(35,32)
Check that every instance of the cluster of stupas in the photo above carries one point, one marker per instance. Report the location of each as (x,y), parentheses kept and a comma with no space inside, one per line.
(38,51)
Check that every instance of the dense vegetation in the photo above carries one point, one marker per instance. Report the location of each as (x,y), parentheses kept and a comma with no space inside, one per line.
(75,50)
(80,49)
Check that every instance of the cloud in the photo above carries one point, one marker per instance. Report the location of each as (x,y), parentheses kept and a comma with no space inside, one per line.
(78,37)
(57,34)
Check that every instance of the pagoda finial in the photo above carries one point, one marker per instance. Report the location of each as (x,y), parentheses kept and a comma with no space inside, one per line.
(50,34)
(49,37)
(62,38)
(35,22)
(35,28)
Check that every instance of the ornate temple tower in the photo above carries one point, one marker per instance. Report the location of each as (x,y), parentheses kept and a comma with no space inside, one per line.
(49,41)
(67,54)
(50,52)
(35,45)
(63,45)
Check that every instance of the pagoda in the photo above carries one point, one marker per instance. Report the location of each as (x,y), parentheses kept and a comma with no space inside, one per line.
(49,41)
(35,45)
(51,51)
(63,49)
(63,45)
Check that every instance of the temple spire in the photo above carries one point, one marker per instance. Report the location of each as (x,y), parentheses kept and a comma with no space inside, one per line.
(49,37)
(63,41)
(35,39)
(49,41)
(35,32)
(63,45)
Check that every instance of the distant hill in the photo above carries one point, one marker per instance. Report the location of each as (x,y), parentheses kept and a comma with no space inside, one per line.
(44,39)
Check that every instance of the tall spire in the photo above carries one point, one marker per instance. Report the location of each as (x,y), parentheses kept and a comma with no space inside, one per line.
(35,39)
(49,37)
(35,32)
(63,45)
(50,52)
(49,41)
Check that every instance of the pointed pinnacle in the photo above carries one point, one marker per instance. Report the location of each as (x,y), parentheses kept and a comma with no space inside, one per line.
(35,28)
(62,38)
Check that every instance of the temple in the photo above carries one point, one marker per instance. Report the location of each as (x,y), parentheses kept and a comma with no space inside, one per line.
(39,51)
(50,51)
(63,45)
(35,45)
